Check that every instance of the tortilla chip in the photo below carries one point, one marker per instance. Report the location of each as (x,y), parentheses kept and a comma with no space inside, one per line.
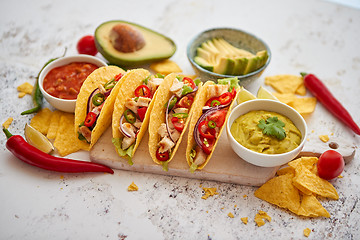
(133,79)
(7,123)
(165,67)
(41,120)
(281,192)
(99,76)
(132,187)
(66,140)
(286,98)
(307,232)
(26,88)
(311,207)
(284,83)
(305,105)
(209,192)
(54,124)
(308,182)
(301,90)
(286,170)
(231,215)
(244,220)
(259,218)
(307,162)
(21,94)
(324,138)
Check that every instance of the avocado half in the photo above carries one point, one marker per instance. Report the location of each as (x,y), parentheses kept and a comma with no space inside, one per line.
(157,46)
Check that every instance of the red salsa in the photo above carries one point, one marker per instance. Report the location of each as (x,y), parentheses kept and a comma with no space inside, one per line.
(65,81)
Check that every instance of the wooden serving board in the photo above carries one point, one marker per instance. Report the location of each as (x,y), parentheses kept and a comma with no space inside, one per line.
(224,166)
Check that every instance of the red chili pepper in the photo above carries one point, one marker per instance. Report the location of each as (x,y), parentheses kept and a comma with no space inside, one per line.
(143,91)
(27,153)
(90,119)
(322,93)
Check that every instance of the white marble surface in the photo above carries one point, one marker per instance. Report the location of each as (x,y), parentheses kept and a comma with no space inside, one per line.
(310,35)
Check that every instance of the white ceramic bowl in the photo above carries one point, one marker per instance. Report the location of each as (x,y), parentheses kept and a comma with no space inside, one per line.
(260,159)
(65,105)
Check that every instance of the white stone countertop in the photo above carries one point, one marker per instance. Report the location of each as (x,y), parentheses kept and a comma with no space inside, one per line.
(311,35)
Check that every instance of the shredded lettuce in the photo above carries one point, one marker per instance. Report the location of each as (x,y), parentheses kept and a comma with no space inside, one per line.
(123,153)
(233,82)
(197,81)
(165,165)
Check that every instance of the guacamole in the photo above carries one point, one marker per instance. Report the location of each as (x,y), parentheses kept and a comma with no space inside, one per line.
(246,131)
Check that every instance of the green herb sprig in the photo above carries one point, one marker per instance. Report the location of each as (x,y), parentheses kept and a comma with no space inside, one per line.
(273,127)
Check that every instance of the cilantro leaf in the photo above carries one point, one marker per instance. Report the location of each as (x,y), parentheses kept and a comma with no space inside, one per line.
(273,127)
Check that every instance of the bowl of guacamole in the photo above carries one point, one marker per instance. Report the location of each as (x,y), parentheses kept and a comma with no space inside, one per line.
(265,132)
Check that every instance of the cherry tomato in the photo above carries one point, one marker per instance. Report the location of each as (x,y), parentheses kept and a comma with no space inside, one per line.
(207,144)
(141,112)
(142,91)
(218,117)
(162,156)
(212,102)
(90,119)
(185,102)
(205,131)
(188,81)
(330,164)
(178,125)
(86,45)
(225,98)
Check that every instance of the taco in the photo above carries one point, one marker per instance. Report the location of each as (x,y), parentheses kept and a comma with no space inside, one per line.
(95,103)
(132,110)
(211,111)
(170,116)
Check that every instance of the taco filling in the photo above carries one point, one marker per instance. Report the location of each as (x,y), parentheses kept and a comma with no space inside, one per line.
(177,113)
(95,104)
(134,114)
(212,120)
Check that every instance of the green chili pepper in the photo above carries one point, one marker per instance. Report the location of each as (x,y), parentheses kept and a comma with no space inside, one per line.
(186,89)
(212,124)
(159,75)
(173,102)
(98,99)
(215,103)
(130,116)
(180,115)
(36,94)
(110,84)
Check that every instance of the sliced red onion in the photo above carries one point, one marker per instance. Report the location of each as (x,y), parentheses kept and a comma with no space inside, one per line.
(122,129)
(107,93)
(89,102)
(207,108)
(167,117)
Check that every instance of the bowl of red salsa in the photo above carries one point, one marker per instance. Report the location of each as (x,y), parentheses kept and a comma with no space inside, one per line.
(61,80)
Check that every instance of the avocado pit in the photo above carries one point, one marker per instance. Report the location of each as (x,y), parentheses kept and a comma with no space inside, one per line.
(126,38)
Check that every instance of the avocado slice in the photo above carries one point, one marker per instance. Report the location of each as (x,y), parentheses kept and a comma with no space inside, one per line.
(204,63)
(240,66)
(157,46)
(225,66)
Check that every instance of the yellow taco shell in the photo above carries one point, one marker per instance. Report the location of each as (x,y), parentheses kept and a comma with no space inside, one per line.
(98,77)
(133,79)
(157,117)
(198,106)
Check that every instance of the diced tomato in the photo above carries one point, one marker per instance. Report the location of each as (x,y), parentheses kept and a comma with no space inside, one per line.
(162,156)
(207,144)
(212,102)
(178,124)
(225,98)
(142,91)
(185,102)
(90,119)
(188,81)
(141,113)
(205,131)
(218,117)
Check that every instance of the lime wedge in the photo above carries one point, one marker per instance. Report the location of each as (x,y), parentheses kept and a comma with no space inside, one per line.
(244,95)
(263,93)
(37,139)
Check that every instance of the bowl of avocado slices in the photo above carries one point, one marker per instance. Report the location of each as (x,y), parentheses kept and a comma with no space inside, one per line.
(227,52)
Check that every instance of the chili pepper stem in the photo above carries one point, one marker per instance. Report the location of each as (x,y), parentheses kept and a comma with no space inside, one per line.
(303,74)
(7,133)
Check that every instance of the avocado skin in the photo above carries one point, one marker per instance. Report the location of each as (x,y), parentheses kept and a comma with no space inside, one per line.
(125,61)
